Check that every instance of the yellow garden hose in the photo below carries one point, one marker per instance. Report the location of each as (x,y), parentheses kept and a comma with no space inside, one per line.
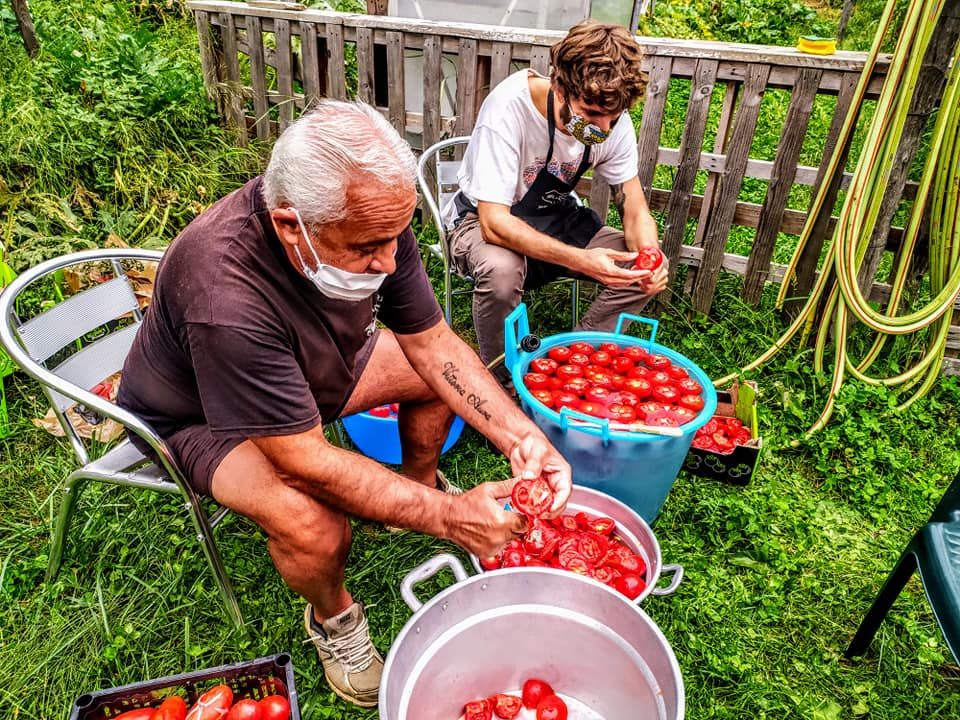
(939,187)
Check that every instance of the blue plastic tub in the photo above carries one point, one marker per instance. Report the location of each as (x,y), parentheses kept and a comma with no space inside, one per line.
(636,468)
(379,437)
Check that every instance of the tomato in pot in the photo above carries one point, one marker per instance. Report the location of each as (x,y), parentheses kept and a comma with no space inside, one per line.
(544,396)
(689,386)
(619,412)
(621,365)
(535,690)
(682,414)
(536,381)
(582,347)
(626,397)
(635,353)
(560,353)
(610,347)
(533,498)
(555,383)
(568,372)
(565,399)
(658,362)
(692,402)
(601,358)
(602,525)
(598,394)
(603,379)
(513,558)
(641,387)
(578,386)
(659,377)
(677,372)
(551,708)
(630,585)
(478,710)
(506,706)
(547,366)
(581,359)
(666,394)
(595,409)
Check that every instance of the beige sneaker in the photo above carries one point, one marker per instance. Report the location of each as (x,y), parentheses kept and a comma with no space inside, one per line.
(350,662)
(443,485)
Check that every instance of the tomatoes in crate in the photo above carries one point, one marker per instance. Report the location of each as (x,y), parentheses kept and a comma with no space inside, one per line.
(721,435)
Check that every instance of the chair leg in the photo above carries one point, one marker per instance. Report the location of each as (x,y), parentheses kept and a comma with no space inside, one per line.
(205,536)
(575,302)
(447,295)
(71,491)
(905,567)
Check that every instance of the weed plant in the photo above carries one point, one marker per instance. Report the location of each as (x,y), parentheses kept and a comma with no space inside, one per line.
(108,133)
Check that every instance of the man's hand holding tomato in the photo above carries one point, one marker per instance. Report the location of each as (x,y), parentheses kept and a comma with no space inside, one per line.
(533,457)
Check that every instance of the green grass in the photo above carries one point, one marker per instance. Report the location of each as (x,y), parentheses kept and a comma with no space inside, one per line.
(108,133)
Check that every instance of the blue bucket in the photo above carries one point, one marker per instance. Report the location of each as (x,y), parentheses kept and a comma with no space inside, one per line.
(635,467)
(379,437)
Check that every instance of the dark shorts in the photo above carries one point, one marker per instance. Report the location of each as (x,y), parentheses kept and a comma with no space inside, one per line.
(200,453)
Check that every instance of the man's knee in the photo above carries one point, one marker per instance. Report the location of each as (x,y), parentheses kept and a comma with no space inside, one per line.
(313,529)
(500,273)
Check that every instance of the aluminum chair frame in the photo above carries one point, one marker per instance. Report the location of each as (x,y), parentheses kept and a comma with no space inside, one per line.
(434,193)
(31,344)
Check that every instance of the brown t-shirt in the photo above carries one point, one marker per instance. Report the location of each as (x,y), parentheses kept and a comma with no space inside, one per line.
(237,339)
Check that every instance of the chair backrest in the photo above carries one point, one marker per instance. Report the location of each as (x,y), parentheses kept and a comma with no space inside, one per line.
(437,171)
(73,342)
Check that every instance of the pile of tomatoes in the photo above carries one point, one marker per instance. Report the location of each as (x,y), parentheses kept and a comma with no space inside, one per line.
(578,543)
(721,435)
(215,704)
(536,695)
(624,384)
(385,411)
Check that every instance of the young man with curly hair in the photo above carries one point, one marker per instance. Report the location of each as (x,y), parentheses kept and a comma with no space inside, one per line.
(516,224)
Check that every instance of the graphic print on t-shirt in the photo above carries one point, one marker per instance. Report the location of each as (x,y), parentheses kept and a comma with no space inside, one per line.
(563,170)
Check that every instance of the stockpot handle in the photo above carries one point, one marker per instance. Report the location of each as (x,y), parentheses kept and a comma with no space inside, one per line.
(426,571)
(677,571)
(654,324)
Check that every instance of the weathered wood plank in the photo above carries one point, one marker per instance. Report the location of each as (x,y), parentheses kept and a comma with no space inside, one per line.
(600,197)
(500,63)
(697,111)
(233,88)
(651,123)
(781,180)
(211,58)
(432,77)
(730,97)
(258,78)
(466,86)
(396,97)
(721,216)
(365,66)
(310,54)
(540,60)
(802,282)
(336,63)
(281,31)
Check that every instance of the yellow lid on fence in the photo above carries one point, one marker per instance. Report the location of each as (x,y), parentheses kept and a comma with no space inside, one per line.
(817,45)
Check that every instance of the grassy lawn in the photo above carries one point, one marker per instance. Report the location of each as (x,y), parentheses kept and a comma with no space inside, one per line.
(108,133)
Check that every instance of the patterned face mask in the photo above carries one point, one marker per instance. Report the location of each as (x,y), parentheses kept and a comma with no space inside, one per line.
(584,131)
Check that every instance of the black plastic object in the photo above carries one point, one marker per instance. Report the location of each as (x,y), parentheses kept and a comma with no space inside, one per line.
(253,679)
(935,551)
(530,343)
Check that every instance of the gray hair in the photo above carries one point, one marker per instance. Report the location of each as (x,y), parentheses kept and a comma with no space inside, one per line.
(316,158)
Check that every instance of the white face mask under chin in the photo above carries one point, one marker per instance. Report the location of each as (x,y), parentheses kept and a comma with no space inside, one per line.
(334,282)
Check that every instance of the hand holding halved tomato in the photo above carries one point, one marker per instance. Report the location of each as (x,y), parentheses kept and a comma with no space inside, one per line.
(648,258)
(534,457)
(533,498)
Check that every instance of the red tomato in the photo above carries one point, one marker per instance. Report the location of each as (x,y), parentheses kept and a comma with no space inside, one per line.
(174,708)
(532,497)
(635,353)
(582,347)
(567,523)
(734,423)
(578,386)
(536,381)
(611,348)
(491,563)
(565,399)
(213,704)
(560,353)
(138,714)
(742,437)
(569,372)
(682,414)
(592,408)
(648,258)
(551,708)
(246,710)
(666,394)
(602,525)
(578,358)
(689,386)
(380,411)
(591,548)
(544,396)
(544,365)
(601,358)
(535,690)
(677,372)
(604,574)
(506,706)
(639,371)
(619,412)
(625,397)
(641,387)
(602,379)
(693,402)
(630,564)
(513,558)
(723,443)
(658,362)
(630,585)
(478,710)
(275,707)
(660,377)
(598,394)
(555,383)
(621,365)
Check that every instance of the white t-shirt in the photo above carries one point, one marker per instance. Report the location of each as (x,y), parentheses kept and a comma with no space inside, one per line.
(509,143)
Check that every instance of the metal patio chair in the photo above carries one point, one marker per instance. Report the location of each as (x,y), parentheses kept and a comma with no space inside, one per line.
(437,171)
(935,551)
(75,344)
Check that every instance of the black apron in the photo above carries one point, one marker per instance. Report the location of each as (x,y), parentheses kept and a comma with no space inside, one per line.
(549,207)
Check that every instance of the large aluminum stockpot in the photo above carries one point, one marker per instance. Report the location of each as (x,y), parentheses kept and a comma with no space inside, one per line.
(488,633)
(632,529)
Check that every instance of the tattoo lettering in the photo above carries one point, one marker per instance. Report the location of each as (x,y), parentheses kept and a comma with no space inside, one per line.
(450,375)
(477,402)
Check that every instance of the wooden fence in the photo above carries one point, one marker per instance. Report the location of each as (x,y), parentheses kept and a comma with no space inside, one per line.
(264,66)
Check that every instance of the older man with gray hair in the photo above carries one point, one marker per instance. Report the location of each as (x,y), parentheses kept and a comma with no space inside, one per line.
(263,328)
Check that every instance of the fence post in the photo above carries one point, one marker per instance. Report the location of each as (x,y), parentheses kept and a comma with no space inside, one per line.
(25,21)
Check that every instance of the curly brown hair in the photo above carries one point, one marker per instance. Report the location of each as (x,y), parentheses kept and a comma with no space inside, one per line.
(599,63)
